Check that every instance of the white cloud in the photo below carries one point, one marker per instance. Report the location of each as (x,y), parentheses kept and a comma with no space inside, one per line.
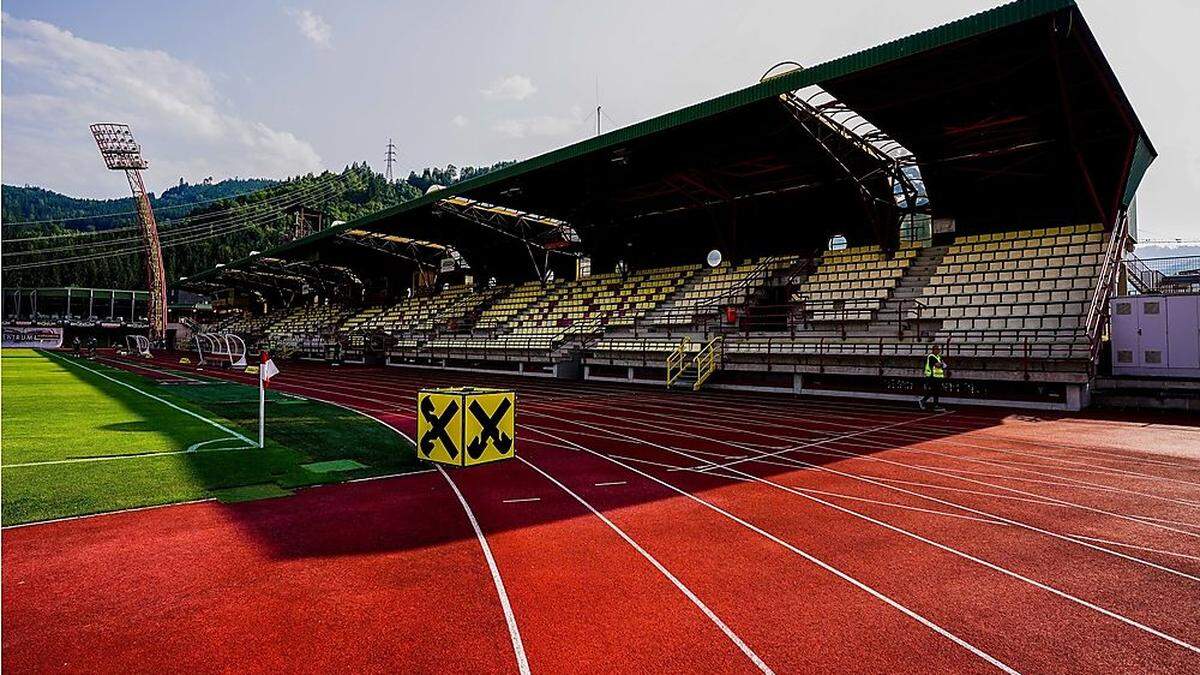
(57,83)
(511,88)
(459,121)
(541,125)
(313,27)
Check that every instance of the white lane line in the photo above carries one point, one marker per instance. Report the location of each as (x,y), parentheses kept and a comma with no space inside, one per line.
(509,617)
(993,495)
(954,474)
(904,507)
(800,552)
(674,467)
(611,482)
(687,592)
(87,516)
(967,556)
(522,501)
(822,441)
(764,458)
(147,394)
(1159,551)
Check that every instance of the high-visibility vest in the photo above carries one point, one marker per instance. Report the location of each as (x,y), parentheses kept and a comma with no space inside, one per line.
(934,366)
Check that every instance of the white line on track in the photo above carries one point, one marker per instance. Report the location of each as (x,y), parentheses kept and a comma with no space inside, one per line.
(610,483)
(794,549)
(950,473)
(522,500)
(823,441)
(954,475)
(967,556)
(843,453)
(904,507)
(357,389)
(509,617)
(766,457)
(687,592)
(1138,519)
(764,409)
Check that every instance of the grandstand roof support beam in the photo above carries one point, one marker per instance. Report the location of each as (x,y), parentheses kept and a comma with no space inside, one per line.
(382,245)
(1072,137)
(820,125)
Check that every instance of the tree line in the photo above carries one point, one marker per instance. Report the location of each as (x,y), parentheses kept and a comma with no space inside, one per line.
(234,217)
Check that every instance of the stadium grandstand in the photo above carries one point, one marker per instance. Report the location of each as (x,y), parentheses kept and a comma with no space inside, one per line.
(969,186)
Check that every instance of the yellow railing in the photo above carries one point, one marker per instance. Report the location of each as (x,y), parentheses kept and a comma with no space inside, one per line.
(677,361)
(707,361)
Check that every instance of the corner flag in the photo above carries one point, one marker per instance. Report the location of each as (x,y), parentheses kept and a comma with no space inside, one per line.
(268,370)
(265,372)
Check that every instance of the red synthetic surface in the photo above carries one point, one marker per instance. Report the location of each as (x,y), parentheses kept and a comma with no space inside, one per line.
(868,538)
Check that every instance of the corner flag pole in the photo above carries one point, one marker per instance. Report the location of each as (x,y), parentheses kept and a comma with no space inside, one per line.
(266,370)
(262,398)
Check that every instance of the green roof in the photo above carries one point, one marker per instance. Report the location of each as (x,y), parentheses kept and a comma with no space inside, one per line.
(924,41)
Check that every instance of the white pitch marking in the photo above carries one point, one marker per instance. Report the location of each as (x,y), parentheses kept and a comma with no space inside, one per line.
(147,394)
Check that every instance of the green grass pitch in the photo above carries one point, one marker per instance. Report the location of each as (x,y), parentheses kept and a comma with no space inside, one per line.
(77,443)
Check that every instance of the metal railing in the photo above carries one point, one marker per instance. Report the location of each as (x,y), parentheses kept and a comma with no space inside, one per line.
(708,308)
(707,361)
(1106,285)
(677,360)
(1168,276)
(779,350)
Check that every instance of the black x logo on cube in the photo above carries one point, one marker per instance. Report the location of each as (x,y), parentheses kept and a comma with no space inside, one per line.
(462,426)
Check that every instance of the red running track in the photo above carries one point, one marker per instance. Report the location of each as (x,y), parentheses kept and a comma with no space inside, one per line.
(642,530)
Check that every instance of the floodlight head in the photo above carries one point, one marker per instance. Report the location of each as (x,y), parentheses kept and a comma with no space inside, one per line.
(117,147)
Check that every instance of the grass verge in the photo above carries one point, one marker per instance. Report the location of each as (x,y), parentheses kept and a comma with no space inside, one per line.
(81,437)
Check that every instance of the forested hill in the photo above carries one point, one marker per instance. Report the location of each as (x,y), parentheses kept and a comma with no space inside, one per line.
(22,204)
(221,222)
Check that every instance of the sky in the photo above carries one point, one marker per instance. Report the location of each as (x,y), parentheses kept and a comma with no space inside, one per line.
(261,88)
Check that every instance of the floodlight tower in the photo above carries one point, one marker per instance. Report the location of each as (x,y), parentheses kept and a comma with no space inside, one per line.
(122,153)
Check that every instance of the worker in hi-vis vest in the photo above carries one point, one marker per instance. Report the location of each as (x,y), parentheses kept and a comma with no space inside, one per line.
(935,372)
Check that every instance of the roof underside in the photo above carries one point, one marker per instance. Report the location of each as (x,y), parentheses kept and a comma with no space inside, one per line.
(1013,116)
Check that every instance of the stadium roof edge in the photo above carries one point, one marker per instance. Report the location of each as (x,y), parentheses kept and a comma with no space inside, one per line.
(926,40)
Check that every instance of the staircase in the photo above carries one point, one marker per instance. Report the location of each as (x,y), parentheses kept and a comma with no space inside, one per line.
(689,372)
(899,310)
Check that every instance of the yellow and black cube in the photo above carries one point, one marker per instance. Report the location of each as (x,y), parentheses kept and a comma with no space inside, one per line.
(463,426)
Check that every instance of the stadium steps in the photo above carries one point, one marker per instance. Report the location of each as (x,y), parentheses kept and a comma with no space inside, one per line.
(490,297)
(912,284)
(657,315)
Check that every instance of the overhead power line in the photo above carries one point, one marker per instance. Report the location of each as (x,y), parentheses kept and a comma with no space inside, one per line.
(229,227)
(173,207)
(166,223)
(192,223)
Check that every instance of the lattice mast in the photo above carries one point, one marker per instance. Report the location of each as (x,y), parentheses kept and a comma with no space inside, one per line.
(389,158)
(122,153)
